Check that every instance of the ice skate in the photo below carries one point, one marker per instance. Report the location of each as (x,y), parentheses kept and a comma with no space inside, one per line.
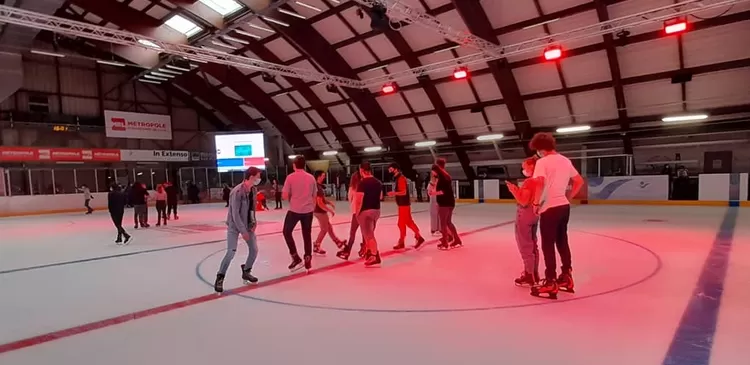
(219,284)
(340,244)
(247,278)
(443,246)
(526,280)
(296,264)
(399,246)
(456,244)
(343,254)
(373,260)
(547,289)
(118,241)
(420,242)
(319,250)
(362,251)
(565,281)
(128,240)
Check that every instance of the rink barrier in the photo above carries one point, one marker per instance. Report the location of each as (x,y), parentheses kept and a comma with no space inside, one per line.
(679,203)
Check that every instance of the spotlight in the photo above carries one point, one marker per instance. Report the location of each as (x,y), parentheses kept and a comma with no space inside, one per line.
(389,88)
(461,73)
(552,53)
(675,26)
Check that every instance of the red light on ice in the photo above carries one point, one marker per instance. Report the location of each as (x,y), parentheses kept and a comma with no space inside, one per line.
(675,28)
(388,88)
(460,73)
(552,54)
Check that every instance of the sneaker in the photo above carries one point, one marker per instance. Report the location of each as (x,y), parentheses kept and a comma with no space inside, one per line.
(219,283)
(343,254)
(565,281)
(420,242)
(247,277)
(546,289)
(373,260)
(319,250)
(308,263)
(526,279)
(296,264)
(399,246)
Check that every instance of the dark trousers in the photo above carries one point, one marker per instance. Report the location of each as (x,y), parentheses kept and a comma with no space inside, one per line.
(447,228)
(140,215)
(553,225)
(117,220)
(161,211)
(278,201)
(419,194)
(172,207)
(353,228)
(290,223)
(88,206)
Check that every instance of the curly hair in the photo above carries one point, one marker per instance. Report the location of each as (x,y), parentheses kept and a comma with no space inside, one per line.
(543,141)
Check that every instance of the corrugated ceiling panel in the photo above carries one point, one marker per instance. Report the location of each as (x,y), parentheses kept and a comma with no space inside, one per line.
(39,77)
(595,105)
(158,12)
(439,56)
(230,93)
(285,102)
(317,119)
(332,141)
(283,82)
(499,118)
(418,100)
(407,130)
(357,112)
(333,29)
(306,11)
(317,142)
(519,36)
(139,4)
(486,87)
(631,7)
(356,55)
(382,47)
(299,99)
(455,93)
(375,136)
(302,121)
(324,95)
(418,39)
(537,78)
(211,80)
(392,105)
(468,123)
(551,6)
(575,22)
(268,87)
(719,89)
(718,44)
(359,25)
(453,19)
(282,49)
(402,66)
(653,98)
(357,136)
(80,106)
(506,12)
(252,112)
(647,58)
(343,114)
(78,82)
(548,112)
(433,127)
(586,69)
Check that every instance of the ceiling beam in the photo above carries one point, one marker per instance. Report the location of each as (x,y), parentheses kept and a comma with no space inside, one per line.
(476,20)
(614,69)
(302,35)
(429,88)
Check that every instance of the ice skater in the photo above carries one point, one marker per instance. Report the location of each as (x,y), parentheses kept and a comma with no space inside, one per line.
(403,201)
(301,190)
(367,205)
(552,202)
(354,225)
(276,193)
(526,224)
(446,204)
(172,194)
(434,219)
(225,194)
(87,198)
(139,198)
(161,205)
(241,221)
(116,202)
(323,207)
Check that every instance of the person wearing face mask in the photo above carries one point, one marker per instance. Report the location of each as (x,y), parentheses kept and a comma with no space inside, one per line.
(401,193)
(241,221)
(526,224)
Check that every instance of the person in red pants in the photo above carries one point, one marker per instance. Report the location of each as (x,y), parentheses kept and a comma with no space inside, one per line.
(403,200)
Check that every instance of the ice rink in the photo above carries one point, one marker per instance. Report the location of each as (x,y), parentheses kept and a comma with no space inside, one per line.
(654,285)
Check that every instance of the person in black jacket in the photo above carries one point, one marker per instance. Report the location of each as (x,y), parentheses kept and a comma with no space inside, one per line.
(225,194)
(116,205)
(171,199)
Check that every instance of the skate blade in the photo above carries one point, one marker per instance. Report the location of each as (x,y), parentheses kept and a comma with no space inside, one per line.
(248,282)
(571,291)
(297,268)
(552,296)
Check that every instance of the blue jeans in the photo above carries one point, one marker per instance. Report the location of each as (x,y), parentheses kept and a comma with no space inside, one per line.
(252,248)
(526,239)
(368,221)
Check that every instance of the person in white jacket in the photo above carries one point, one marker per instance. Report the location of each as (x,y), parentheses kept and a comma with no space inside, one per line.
(346,251)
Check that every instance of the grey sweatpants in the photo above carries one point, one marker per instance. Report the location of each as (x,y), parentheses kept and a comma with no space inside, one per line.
(368,221)
(140,215)
(526,225)
(434,219)
(326,228)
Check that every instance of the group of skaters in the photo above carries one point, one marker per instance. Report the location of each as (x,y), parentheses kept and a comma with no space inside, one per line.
(136,195)
(305,194)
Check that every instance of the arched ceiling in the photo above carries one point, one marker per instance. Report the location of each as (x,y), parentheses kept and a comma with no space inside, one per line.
(621,86)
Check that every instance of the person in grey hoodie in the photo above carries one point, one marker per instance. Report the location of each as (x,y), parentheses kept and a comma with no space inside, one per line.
(241,221)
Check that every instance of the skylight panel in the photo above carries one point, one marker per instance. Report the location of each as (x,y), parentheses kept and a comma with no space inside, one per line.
(223,7)
(183,25)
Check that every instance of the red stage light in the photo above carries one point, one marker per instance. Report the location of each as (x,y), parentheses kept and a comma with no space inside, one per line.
(552,53)
(675,26)
(389,88)
(461,73)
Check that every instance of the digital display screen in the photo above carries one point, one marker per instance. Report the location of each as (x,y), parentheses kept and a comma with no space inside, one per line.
(238,152)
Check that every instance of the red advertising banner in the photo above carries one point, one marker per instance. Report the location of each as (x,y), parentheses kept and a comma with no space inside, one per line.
(31,154)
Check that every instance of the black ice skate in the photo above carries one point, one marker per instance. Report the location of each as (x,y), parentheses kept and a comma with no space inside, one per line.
(456,244)
(420,242)
(343,254)
(400,245)
(128,240)
(341,244)
(247,278)
(296,264)
(308,263)
(118,241)
(565,281)
(443,246)
(373,260)
(219,284)
(362,251)
(526,280)
(547,289)
(318,250)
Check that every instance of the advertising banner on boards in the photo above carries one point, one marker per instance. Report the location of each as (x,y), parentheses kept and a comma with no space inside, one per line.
(36,154)
(154,156)
(120,124)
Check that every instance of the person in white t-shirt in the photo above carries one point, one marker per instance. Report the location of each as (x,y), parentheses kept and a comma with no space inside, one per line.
(552,202)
